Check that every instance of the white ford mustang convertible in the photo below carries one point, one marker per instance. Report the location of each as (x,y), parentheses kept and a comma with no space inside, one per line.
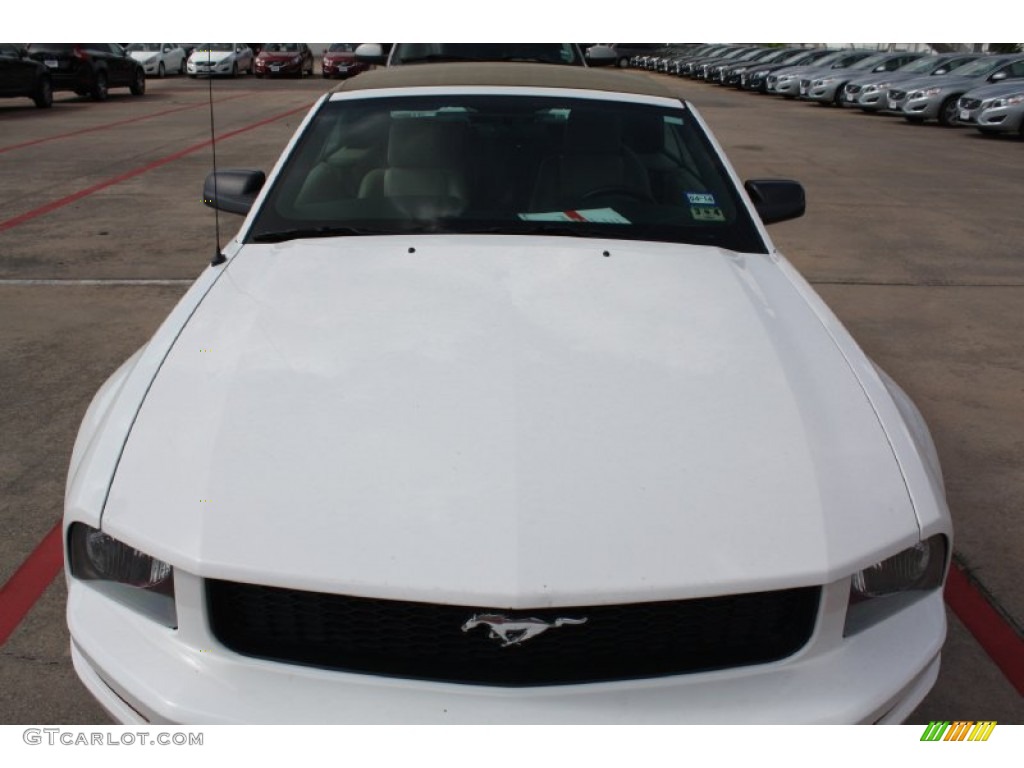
(502,406)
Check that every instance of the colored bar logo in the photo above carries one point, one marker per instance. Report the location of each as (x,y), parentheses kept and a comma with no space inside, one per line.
(960,730)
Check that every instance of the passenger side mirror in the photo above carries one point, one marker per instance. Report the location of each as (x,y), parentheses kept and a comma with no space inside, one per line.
(998,76)
(940,71)
(600,56)
(776,199)
(370,53)
(233,190)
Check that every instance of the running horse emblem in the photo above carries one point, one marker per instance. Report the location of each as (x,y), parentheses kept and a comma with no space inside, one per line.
(515,631)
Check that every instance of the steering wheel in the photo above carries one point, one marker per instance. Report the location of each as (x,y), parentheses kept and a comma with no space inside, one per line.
(619,190)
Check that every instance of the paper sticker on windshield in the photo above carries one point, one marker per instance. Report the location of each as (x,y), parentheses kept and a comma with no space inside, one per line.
(593,215)
(700,198)
(706,213)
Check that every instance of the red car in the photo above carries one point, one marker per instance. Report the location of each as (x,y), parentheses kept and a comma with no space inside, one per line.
(284,59)
(340,61)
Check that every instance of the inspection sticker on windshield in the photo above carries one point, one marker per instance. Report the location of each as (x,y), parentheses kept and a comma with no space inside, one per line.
(706,213)
(593,215)
(700,198)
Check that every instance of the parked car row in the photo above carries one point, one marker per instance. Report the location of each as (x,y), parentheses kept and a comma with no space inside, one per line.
(37,70)
(969,88)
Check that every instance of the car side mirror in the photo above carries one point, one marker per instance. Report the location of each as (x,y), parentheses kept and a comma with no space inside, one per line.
(370,53)
(233,190)
(776,199)
(998,76)
(940,71)
(600,56)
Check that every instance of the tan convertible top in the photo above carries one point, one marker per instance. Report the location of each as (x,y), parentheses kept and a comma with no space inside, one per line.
(508,74)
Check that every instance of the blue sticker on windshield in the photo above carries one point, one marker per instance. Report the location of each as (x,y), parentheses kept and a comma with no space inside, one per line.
(700,198)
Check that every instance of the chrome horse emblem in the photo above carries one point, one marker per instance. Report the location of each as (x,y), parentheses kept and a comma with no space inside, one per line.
(515,631)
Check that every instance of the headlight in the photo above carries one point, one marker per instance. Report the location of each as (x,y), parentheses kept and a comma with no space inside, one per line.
(926,92)
(760,73)
(1008,101)
(123,573)
(824,81)
(296,59)
(889,586)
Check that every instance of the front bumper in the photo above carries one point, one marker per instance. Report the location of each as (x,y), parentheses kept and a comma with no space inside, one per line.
(277,68)
(922,108)
(789,87)
(143,672)
(821,92)
(204,68)
(873,101)
(1003,119)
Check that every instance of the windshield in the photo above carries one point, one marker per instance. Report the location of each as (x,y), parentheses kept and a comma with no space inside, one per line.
(870,62)
(545,53)
(923,65)
(978,68)
(280,48)
(505,164)
(342,48)
(145,47)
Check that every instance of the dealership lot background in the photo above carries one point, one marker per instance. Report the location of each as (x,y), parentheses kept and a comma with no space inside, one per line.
(912,235)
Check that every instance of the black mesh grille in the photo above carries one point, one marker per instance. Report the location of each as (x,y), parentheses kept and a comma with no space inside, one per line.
(969,103)
(426,641)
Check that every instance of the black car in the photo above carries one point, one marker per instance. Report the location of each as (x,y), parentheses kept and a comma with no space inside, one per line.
(90,69)
(20,76)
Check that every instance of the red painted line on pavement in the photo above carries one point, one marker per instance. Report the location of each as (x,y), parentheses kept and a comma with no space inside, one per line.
(29,582)
(49,207)
(999,639)
(116,123)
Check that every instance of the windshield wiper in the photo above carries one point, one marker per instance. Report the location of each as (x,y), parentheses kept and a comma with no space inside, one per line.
(282,235)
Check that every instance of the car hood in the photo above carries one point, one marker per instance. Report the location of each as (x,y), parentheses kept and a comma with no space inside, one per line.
(279,57)
(1003,88)
(947,82)
(213,56)
(144,56)
(889,77)
(508,421)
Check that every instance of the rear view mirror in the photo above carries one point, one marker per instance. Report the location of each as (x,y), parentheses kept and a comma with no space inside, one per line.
(600,56)
(233,190)
(371,53)
(776,199)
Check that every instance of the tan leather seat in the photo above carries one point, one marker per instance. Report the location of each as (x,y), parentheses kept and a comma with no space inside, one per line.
(423,161)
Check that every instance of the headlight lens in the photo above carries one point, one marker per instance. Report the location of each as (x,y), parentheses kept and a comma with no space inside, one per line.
(882,589)
(123,573)
(1007,101)
(926,92)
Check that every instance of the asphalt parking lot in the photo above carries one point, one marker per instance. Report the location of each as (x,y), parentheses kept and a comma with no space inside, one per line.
(913,236)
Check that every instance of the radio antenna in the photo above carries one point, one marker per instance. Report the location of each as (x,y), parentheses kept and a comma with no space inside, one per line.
(218,255)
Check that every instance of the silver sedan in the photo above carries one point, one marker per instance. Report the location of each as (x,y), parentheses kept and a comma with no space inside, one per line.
(928,99)
(994,108)
(828,88)
(869,93)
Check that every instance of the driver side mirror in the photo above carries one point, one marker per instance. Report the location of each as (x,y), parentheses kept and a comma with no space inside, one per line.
(998,76)
(370,53)
(233,190)
(776,199)
(600,56)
